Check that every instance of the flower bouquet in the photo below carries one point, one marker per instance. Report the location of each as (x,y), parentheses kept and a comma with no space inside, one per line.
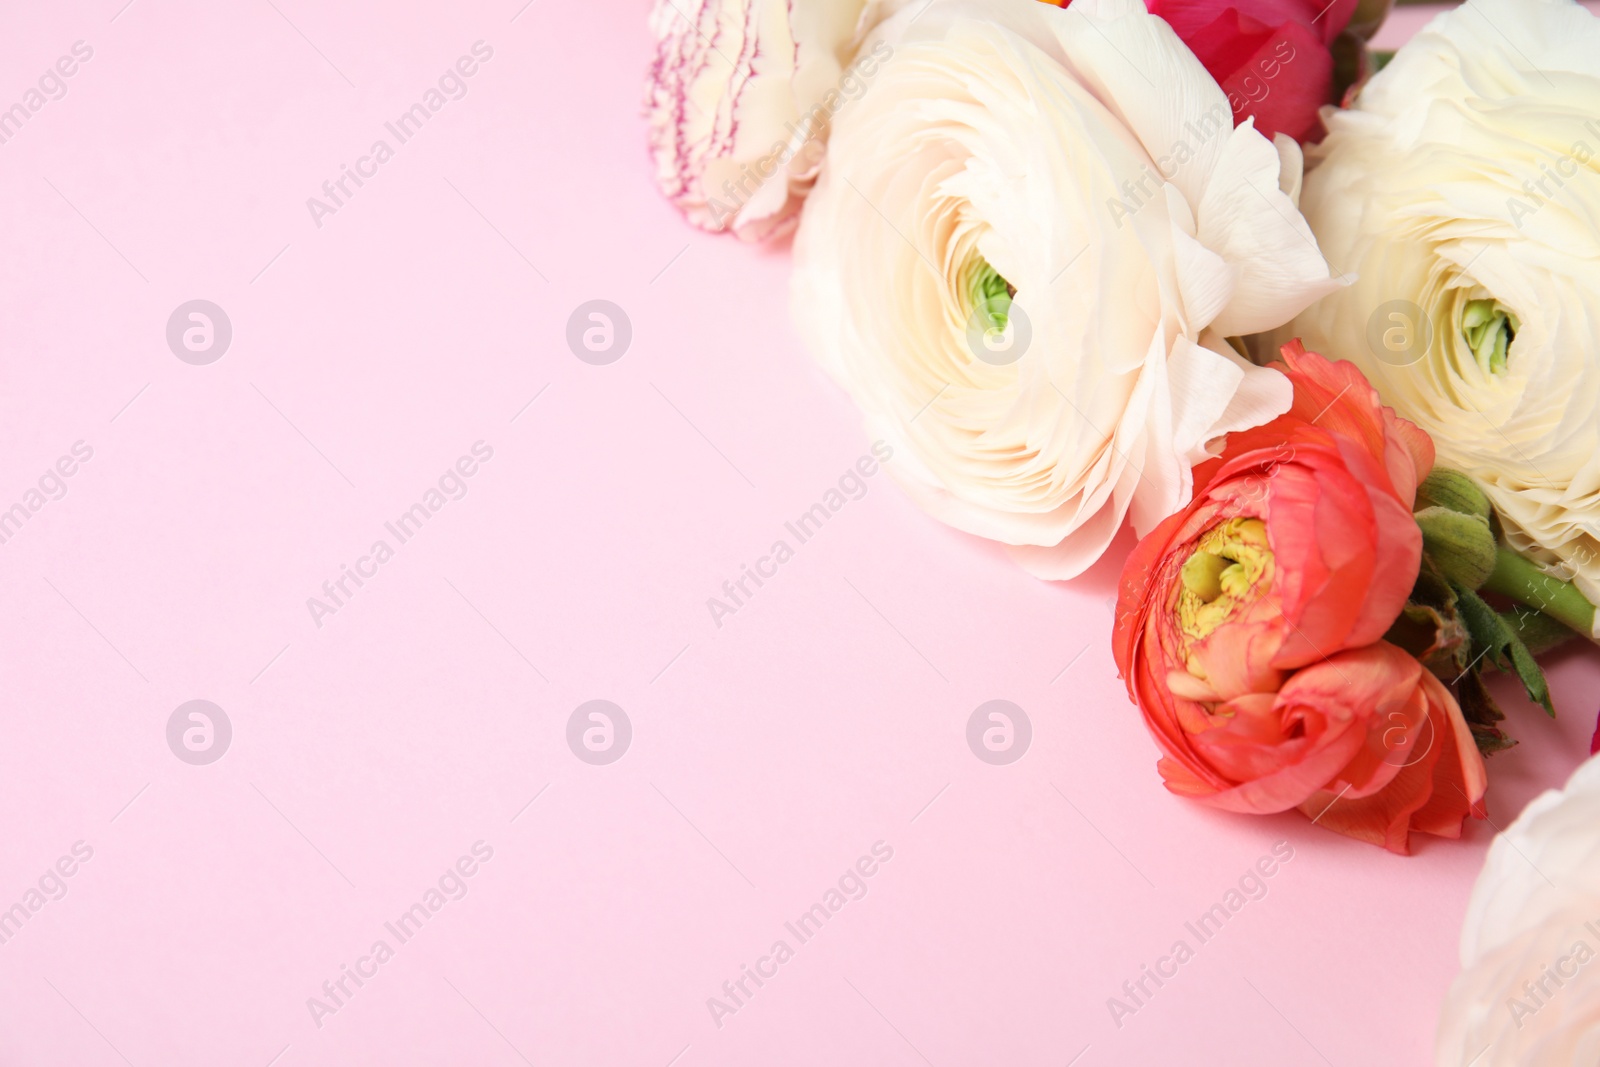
(1320,324)
(1055,254)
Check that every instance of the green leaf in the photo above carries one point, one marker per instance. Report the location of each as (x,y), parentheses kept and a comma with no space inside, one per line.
(1483,625)
(1527,669)
(1538,631)
(1498,642)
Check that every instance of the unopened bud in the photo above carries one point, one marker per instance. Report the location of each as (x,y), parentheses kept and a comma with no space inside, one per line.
(1453,490)
(1460,545)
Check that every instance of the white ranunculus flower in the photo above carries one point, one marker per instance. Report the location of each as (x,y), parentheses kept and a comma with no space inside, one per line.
(1023,256)
(1464,191)
(740,98)
(1529,988)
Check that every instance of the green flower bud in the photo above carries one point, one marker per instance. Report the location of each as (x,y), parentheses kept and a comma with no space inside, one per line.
(1461,546)
(1454,490)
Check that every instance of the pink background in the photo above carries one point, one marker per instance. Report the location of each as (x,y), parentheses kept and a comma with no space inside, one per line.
(369,754)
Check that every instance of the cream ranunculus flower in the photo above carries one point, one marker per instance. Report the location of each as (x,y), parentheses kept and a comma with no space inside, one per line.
(1464,191)
(1023,256)
(1529,987)
(740,98)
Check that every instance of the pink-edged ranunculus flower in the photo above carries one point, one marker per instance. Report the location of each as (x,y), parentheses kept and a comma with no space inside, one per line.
(740,98)
(1272,57)
(1250,624)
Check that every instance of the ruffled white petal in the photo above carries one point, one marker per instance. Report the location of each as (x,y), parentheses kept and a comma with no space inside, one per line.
(1016,135)
(1470,169)
(1528,991)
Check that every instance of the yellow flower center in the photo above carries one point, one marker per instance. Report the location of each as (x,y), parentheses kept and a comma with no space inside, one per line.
(1222,575)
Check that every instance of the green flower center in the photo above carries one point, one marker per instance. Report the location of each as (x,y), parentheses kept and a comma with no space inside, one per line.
(1222,574)
(1489,328)
(990,294)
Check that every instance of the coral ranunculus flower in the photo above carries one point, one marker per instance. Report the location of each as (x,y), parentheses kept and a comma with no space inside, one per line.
(1250,624)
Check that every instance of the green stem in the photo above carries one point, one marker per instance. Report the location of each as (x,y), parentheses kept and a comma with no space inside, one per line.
(1522,581)
(1538,631)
